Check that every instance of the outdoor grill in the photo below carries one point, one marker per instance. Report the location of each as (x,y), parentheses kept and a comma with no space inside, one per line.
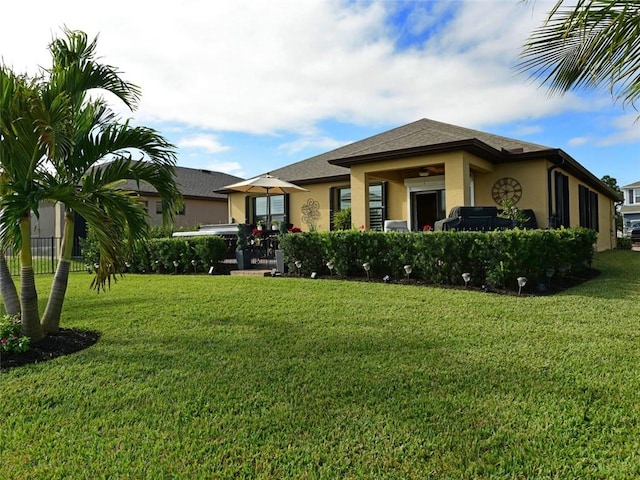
(480,219)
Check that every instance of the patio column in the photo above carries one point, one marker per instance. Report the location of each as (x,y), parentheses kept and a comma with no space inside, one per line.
(359,198)
(457,181)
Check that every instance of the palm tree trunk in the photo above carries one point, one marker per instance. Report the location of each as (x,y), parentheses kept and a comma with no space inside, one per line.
(8,288)
(28,296)
(53,311)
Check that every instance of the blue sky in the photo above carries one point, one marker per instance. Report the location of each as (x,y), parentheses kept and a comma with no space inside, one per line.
(246,87)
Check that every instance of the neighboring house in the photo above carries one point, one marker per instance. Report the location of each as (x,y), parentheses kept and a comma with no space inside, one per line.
(630,209)
(420,171)
(203,204)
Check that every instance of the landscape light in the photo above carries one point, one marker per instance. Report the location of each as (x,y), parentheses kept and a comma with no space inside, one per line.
(408,269)
(522,281)
(367,269)
(330,266)
(549,273)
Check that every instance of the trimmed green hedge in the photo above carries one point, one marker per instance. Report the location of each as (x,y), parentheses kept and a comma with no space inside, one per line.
(493,258)
(158,254)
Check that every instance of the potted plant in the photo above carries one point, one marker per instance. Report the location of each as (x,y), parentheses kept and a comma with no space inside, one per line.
(260,225)
(243,256)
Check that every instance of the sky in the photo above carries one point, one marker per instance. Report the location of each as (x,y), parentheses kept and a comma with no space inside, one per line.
(246,87)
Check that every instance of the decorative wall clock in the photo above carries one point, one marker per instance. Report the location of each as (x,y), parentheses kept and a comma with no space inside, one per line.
(506,188)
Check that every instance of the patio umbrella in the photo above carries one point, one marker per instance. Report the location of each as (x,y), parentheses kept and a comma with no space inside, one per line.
(268,185)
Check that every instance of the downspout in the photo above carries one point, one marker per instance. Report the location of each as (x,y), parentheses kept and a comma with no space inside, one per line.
(549,194)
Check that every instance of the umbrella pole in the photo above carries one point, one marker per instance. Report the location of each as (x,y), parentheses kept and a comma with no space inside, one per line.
(268,225)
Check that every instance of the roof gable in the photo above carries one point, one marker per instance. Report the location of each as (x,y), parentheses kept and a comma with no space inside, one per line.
(422,133)
(429,136)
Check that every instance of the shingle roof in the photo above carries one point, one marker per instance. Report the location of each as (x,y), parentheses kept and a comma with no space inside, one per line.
(421,133)
(632,185)
(192,182)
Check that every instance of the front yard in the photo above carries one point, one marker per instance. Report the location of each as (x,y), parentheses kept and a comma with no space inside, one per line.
(224,377)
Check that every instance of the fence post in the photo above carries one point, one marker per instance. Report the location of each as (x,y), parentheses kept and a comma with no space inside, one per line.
(53,254)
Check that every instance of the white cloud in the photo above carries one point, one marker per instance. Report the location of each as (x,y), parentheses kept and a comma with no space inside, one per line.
(208,143)
(303,143)
(232,168)
(626,130)
(578,141)
(265,67)
(524,130)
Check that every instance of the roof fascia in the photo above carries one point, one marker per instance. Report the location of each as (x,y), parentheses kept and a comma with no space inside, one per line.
(472,145)
(563,160)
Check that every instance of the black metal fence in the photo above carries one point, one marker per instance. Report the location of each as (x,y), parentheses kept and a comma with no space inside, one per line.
(45,252)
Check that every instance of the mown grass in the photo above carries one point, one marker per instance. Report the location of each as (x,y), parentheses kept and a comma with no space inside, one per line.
(225,377)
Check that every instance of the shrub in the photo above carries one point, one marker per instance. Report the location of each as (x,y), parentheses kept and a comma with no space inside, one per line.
(190,254)
(159,254)
(496,258)
(624,243)
(342,219)
(10,338)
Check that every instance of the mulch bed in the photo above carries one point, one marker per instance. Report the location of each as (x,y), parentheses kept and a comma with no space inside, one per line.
(556,285)
(65,342)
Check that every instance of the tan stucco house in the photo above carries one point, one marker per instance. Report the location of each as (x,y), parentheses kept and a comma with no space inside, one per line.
(203,204)
(420,171)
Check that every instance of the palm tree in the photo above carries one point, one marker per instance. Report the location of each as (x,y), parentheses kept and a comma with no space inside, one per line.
(53,155)
(593,43)
(90,189)
(22,146)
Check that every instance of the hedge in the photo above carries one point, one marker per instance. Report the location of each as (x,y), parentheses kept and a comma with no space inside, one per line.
(494,259)
(192,255)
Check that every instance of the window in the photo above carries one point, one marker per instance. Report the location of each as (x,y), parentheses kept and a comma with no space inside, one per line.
(376,207)
(562,201)
(276,208)
(159,208)
(341,199)
(145,206)
(636,196)
(588,206)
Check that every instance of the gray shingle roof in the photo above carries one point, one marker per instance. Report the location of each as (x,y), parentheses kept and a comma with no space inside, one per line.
(192,182)
(632,185)
(421,133)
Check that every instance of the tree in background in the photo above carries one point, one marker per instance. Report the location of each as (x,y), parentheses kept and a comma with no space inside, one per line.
(613,184)
(591,43)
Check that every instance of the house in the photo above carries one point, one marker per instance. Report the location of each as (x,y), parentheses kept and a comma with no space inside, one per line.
(203,204)
(418,172)
(630,209)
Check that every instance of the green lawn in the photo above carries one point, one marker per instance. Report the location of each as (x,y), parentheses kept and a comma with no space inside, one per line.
(224,377)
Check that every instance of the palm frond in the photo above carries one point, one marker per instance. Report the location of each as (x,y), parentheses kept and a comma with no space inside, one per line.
(75,70)
(593,44)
